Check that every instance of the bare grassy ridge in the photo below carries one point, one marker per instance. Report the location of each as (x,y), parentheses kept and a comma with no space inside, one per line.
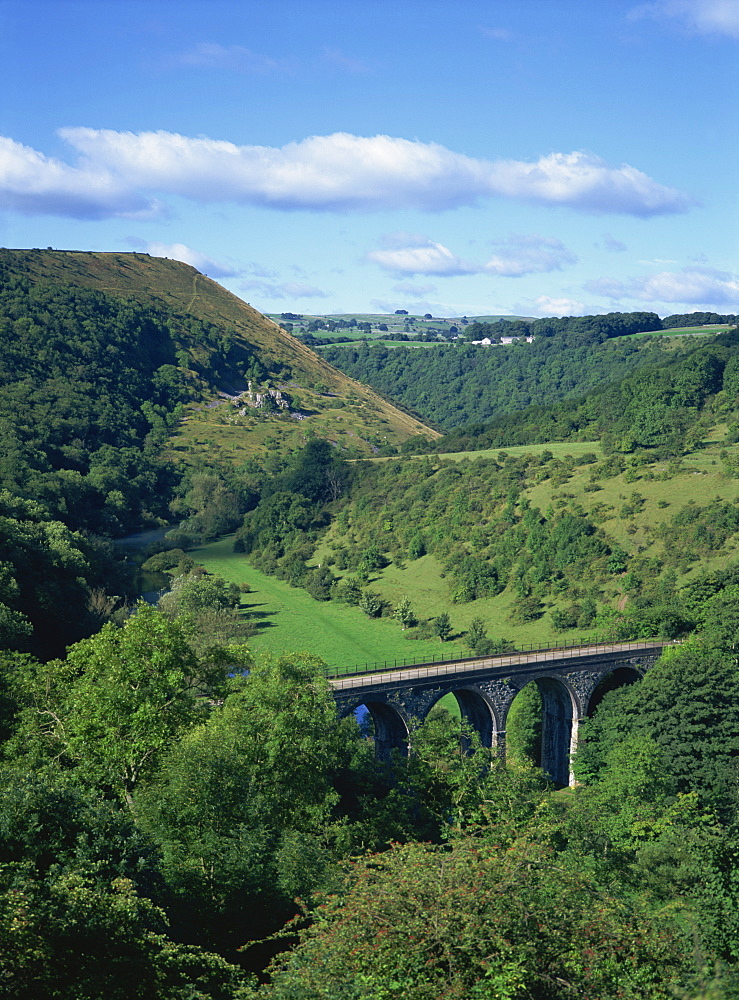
(352,415)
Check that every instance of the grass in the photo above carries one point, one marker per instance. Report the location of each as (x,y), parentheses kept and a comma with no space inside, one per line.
(681,331)
(385,343)
(558,449)
(287,618)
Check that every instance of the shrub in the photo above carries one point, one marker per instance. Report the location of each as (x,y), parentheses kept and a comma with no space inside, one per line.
(370,603)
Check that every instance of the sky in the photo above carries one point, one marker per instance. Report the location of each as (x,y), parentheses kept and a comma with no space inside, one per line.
(514,157)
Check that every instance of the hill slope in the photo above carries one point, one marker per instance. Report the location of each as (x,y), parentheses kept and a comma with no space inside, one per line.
(118,374)
(459,384)
(249,345)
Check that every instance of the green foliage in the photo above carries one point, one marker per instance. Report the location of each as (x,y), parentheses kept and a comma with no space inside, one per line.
(209,606)
(653,401)
(526,609)
(442,626)
(173,561)
(523,727)
(77,918)
(47,577)
(210,506)
(370,603)
(240,805)
(475,920)
(319,583)
(688,706)
(466,384)
(119,699)
(196,592)
(403,612)
(88,388)
(476,634)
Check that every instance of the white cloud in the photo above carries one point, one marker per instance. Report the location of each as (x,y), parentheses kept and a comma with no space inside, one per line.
(544,305)
(419,255)
(585,181)
(33,184)
(706,17)
(405,253)
(179,251)
(692,286)
(118,172)
(519,255)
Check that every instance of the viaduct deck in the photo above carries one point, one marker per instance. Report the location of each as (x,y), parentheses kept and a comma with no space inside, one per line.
(568,679)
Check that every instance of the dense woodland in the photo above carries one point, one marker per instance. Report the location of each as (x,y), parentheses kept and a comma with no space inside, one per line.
(458,384)
(180,819)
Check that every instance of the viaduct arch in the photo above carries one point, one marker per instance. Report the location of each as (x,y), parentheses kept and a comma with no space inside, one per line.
(568,681)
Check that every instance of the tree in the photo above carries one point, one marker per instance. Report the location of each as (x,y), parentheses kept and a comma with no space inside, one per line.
(121,697)
(77,916)
(242,806)
(473,919)
(192,593)
(210,606)
(318,583)
(403,612)
(416,547)
(688,705)
(523,726)
(476,634)
(443,626)
(316,472)
(371,603)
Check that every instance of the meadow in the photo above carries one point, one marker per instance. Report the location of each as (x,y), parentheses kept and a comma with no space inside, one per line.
(288,618)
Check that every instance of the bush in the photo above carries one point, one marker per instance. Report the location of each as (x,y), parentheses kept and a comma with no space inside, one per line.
(319,582)
(565,618)
(370,603)
(424,630)
(349,591)
(526,609)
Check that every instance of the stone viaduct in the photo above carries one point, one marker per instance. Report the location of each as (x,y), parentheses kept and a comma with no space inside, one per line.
(570,681)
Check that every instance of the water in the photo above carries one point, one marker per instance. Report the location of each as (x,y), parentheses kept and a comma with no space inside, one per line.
(148,585)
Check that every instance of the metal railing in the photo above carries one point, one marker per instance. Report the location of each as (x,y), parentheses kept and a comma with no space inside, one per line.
(530,652)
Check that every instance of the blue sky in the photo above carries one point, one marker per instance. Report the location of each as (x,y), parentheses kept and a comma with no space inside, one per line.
(536,157)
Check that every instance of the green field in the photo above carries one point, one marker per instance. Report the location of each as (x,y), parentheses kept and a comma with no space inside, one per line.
(383,343)
(558,449)
(681,331)
(287,618)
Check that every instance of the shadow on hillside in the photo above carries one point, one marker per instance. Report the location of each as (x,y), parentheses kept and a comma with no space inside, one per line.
(259,619)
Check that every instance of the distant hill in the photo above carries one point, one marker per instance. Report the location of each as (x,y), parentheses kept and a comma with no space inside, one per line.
(459,384)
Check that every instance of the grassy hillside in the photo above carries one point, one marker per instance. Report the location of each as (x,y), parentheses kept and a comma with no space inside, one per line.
(330,404)
(635,508)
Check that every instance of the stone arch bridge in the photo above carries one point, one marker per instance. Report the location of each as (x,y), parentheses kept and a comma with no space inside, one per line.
(568,680)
